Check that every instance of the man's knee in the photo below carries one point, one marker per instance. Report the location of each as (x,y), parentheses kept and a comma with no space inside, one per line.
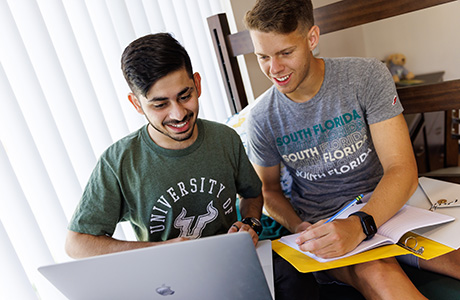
(368,272)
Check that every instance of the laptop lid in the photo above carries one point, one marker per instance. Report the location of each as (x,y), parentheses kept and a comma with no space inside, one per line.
(218,267)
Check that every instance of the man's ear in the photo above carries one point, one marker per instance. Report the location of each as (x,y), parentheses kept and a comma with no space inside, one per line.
(313,37)
(136,103)
(197,80)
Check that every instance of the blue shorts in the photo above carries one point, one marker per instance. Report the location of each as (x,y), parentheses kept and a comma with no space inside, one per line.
(410,260)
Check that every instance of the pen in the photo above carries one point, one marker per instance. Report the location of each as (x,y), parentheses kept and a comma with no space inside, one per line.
(356,200)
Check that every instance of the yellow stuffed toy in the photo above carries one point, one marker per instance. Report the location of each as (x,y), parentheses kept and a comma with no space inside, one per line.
(395,63)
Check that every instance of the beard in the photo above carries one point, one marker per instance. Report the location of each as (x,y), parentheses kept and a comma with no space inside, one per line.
(178,137)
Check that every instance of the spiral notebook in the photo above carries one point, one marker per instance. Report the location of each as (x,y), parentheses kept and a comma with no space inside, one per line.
(406,219)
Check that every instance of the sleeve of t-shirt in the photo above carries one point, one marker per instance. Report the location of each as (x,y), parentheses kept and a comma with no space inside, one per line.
(378,93)
(247,181)
(262,149)
(100,208)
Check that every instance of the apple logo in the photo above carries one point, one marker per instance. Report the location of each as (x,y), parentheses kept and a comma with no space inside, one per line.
(165,290)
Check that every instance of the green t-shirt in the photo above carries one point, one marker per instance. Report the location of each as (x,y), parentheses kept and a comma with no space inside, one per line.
(168,193)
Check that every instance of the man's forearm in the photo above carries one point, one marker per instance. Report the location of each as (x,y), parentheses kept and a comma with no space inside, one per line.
(251,207)
(392,192)
(80,245)
(280,209)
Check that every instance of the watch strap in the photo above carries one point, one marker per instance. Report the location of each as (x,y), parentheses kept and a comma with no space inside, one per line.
(255,224)
(367,223)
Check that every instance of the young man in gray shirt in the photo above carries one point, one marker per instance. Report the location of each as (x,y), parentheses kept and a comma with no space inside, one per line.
(337,125)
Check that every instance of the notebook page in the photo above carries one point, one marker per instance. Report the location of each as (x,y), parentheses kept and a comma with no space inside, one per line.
(409,218)
(406,219)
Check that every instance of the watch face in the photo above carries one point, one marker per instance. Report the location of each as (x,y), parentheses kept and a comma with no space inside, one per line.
(369,227)
(254,223)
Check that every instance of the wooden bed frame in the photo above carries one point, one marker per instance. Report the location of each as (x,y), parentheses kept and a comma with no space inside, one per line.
(442,96)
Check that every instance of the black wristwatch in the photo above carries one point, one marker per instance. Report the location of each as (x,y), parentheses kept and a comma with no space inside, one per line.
(254,223)
(367,221)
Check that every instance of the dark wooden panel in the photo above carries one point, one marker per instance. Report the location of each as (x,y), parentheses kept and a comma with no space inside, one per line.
(348,13)
(451,150)
(432,97)
(228,64)
(241,43)
(443,96)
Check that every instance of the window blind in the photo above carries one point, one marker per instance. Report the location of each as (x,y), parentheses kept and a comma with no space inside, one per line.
(64,101)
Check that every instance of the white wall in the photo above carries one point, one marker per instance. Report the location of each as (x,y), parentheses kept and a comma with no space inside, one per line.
(429,38)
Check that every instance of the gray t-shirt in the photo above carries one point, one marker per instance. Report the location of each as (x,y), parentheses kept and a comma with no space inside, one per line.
(325,142)
(165,193)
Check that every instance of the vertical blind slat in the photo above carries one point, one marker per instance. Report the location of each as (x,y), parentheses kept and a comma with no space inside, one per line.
(122,24)
(12,272)
(29,166)
(192,43)
(23,244)
(154,16)
(111,49)
(95,63)
(76,75)
(138,17)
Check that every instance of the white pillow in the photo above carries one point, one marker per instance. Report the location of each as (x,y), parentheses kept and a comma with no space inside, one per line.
(238,122)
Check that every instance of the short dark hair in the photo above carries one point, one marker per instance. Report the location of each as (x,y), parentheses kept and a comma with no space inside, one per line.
(280,16)
(150,58)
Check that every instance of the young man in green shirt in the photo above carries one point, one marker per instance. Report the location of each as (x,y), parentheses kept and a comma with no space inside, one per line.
(175,178)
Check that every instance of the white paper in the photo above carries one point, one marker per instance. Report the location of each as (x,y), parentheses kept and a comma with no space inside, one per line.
(264,251)
(437,190)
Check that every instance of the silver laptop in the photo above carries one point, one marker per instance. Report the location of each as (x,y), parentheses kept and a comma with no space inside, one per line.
(219,267)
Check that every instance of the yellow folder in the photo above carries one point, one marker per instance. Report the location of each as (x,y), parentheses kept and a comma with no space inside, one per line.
(305,264)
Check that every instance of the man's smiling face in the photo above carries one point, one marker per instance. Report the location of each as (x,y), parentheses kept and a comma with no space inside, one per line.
(283,58)
(171,108)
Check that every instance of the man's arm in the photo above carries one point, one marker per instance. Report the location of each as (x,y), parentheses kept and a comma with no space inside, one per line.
(80,245)
(276,204)
(394,149)
(400,179)
(249,207)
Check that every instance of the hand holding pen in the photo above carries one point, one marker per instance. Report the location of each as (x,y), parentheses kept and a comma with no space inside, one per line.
(328,241)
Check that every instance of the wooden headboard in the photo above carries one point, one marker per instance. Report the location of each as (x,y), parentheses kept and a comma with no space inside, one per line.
(442,96)
(330,18)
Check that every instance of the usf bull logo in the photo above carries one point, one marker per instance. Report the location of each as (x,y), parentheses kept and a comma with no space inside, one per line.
(184,223)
